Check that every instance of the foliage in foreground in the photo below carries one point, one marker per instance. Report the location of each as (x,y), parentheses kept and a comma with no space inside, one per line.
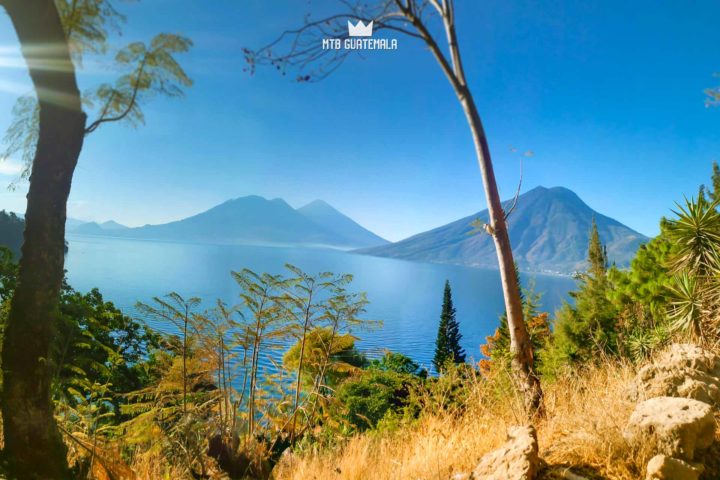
(211,398)
(203,398)
(583,427)
(617,320)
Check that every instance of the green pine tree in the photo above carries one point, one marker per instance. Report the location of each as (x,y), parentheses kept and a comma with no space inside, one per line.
(585,329)
(597,254)
(715,194)
(705,194)
(447,344)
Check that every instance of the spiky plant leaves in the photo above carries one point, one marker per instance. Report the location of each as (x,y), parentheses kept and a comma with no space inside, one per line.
(696,235)
(695,288)
(643,342)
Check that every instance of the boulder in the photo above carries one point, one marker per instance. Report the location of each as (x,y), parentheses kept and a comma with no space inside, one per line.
(683,370)
(517,459)
(689,356)
(676,427)
(661,467)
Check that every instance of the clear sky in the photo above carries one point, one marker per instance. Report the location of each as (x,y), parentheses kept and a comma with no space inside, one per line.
(608,94)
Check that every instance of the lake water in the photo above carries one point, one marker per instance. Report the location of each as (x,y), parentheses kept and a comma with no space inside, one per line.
(406,296)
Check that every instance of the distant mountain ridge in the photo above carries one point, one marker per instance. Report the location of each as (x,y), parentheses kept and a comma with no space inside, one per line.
(253,220)
(70,223)
(549,231)
(329,218)
(94,228)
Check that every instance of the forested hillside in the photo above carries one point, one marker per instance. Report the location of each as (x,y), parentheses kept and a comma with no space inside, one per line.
(11,232)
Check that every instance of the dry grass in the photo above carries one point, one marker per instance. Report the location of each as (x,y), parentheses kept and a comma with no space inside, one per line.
(583,429)
(151,466)
(586,417)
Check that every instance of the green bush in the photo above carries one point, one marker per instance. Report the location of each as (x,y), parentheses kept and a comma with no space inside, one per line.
(398,363)
(364,400)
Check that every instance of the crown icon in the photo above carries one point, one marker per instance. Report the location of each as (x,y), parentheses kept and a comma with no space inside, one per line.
(360,30)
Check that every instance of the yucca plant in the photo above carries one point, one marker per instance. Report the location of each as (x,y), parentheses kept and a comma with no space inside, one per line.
(687,304)
(696,234)
(695,291)
(642,343)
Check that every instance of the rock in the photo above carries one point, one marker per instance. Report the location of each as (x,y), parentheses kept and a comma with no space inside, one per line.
(676,427)
(685,355)
(517,459)
(684,370)
(666,381)
(561,473)
(569,475)
(661,467)
(461,476)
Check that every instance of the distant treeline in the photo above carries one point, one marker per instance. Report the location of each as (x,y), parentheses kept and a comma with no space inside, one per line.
(11,232)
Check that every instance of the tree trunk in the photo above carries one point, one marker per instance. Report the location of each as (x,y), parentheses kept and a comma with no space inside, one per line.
(298,380)
(253,378)
(520,345)
(33,445)
(184,362)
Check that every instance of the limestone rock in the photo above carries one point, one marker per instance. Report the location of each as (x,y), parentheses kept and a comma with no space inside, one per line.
(676,427)
(684,370)
(661,467)
(517,459)
(686,355)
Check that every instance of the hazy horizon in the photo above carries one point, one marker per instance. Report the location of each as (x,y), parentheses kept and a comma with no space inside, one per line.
(298,206)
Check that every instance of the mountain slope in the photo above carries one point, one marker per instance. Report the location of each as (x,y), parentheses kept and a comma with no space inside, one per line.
(549,231)
(73,223)
(112,225)
(94,228)
(250,219)
(245,220)
(332,220)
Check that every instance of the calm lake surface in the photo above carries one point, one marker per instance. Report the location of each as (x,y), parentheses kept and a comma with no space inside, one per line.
(405,296)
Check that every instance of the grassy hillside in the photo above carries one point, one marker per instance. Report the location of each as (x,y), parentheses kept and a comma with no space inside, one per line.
(582,432)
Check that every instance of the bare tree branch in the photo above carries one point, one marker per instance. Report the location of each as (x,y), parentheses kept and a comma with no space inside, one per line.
(456,82)
(131,104)
(306,54)
(303,46)
(517,193)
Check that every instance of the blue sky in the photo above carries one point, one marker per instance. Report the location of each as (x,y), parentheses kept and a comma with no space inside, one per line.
(608,94)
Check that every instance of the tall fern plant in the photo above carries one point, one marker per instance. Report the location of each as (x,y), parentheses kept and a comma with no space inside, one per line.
(695,290)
